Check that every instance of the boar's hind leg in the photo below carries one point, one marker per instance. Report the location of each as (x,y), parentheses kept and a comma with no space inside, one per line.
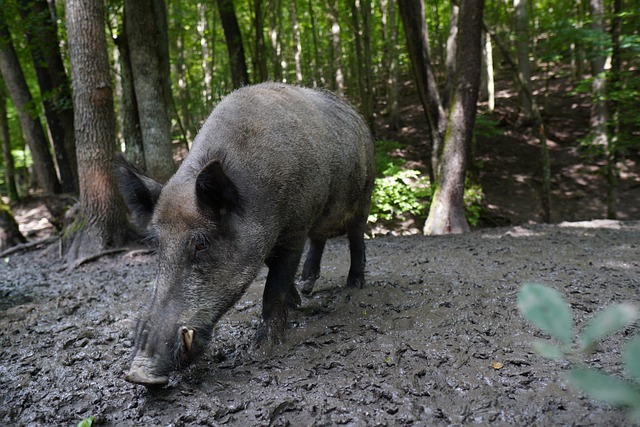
(311,269)
(279,293)
(355,232)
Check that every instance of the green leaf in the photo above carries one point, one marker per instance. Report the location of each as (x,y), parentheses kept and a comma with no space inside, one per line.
(631,357)
(86,422)
(604,387)
(548,349)
(545,308)
(607,322)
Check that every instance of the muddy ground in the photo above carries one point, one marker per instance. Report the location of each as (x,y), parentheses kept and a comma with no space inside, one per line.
(416,346)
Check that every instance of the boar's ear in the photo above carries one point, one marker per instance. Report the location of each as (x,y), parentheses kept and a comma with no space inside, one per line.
(215,190)
(140,192)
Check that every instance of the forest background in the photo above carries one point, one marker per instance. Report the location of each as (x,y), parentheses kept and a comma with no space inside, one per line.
(166,64)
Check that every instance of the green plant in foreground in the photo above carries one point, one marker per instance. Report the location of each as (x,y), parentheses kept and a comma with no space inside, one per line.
(87,422)
(545,308)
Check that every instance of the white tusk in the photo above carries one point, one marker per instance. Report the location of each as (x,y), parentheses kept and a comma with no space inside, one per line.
(187,337)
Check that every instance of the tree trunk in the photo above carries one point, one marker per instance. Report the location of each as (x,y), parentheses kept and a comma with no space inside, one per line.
(393,109)
(145,37)
(19,91)
(10,234)
(336,51)
(447,214)
(42,38)
(450,59)
(9,169)
(261,51)
(297,53)
(415,28)
(131,128)
(239,74)
(487,86)
(275,18)
(101,223)
(613,83)
(522,49)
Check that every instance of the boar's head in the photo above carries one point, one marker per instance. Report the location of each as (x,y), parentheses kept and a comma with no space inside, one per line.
(203,267)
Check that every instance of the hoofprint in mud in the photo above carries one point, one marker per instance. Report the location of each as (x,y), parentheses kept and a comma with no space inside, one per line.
(416,345)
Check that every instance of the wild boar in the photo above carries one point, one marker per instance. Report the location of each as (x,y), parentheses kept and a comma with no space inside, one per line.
(273,166)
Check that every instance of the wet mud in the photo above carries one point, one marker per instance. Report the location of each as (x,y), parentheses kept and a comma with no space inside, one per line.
(435,337)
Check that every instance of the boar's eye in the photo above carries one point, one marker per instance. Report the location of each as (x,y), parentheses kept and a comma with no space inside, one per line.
(199,244)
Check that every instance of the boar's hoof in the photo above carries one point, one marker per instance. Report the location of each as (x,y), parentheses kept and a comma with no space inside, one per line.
(270,333)
(139,374)
(355,281)
(306,286)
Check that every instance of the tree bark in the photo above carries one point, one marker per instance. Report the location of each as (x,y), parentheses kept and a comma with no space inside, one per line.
(9,168)
(393,109)
(101,223)
(19,91)
(415,28)
(450,58)
(447,214)
(131,128)
(42,37)
(337,78)
(10,234)
(239,74)
(522,49)
(149,62)
(613,83)
(261,51)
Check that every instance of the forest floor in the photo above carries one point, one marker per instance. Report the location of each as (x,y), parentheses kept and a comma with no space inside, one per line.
(434,338)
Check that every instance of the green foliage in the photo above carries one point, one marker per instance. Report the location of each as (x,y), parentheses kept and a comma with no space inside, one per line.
(545,308)
(399,191)
(473,197)
(87,422)
(486,127)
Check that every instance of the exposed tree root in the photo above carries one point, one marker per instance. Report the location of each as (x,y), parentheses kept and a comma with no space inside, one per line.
(28,246)
(77,263)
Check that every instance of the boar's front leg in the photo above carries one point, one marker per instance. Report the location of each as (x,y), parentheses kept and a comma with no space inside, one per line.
(311,269)
(279,292)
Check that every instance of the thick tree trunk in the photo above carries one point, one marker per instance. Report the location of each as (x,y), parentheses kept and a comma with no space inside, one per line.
(415,28)
(10,234)
(9,169)
(101,223)
(447,214)
(239,74)
(19,91)
(149,62)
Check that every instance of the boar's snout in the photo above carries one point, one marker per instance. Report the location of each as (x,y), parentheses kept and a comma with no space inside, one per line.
(142,372)
(150,367)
